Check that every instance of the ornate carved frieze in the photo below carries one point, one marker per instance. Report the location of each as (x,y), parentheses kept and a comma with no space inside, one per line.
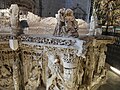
(48,40)
(6,37)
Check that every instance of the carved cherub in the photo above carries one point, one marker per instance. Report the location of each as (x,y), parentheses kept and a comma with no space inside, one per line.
(60,23)
(66,24)
(71,24)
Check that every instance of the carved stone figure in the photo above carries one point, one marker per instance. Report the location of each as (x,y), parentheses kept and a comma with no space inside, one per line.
(55,79)
(33,70)
(71,25)
(102,58)
(59,29)
(14,18)
(66,24)
(34,79)
(94,27)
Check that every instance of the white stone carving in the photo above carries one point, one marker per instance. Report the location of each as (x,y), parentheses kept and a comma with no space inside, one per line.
(66,24)
(14,18)
(53,63)
(13,44)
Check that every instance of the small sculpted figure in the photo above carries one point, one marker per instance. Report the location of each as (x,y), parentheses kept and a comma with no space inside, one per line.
(35,78)
(66,24)
(14,18)
(60,23)
(56,79)
(71,24)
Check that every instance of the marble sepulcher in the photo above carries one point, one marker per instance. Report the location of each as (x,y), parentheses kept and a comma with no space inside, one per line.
(65,60)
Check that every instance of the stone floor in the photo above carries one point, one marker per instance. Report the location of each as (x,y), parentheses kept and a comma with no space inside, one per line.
(112,83)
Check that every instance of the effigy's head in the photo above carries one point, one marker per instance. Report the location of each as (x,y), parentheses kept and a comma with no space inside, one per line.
(68,12)
(61,11)
(14,9)
(15,6)
(69,18)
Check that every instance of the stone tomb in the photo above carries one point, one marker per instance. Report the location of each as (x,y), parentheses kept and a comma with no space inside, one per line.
(53,63)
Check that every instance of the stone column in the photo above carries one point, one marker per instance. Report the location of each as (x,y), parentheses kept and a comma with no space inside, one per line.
(70,71)
(90,65)
(17,72)
(102,57)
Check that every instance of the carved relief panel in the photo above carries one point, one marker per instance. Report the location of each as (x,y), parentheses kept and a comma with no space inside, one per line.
(34,64)
(6,68)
